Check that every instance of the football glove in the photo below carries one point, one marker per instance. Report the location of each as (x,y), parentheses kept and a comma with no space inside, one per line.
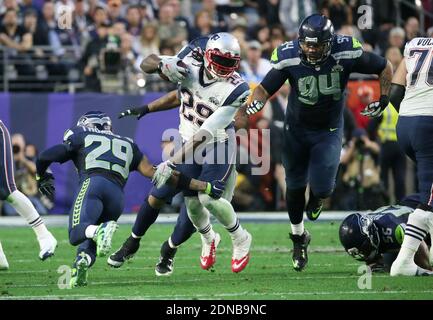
(375,109)
(138,112)
(163,172)
(46,184)
(215,189)
(255,107)
(169,67)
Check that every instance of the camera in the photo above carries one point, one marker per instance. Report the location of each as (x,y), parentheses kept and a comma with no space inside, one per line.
(359,143)
(16,149)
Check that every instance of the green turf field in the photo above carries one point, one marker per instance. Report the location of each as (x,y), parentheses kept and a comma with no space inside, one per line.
(331,273)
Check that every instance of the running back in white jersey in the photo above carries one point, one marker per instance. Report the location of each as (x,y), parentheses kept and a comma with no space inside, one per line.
(200,97)
(418,99)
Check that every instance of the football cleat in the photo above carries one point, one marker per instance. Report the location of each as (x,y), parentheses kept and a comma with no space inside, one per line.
(47,246)
(103,237)
(79,270)
(165,265)
(314,207)
(208,252)
(4,265)
(241,252)
(128,249)
(300,246)
(400,268)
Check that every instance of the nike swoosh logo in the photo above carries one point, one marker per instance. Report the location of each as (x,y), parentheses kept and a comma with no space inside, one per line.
(315,214)
(238,264)
(333,129)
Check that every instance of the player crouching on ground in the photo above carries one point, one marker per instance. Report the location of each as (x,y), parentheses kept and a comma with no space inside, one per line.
(376,237)
(103,161)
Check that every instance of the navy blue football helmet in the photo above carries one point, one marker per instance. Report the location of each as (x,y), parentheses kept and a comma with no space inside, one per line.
(315,34)
(95,119)
(360,237)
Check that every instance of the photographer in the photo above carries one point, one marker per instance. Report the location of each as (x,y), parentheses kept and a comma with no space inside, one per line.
(25,171)
(360,188)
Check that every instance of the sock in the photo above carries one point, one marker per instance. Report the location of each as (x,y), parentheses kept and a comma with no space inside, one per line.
(295,199)
(207,233)
(26,210)
(236,231)
(145,218)
(297,229)
(171,244)
(135,236)
(90,231)
(416,229)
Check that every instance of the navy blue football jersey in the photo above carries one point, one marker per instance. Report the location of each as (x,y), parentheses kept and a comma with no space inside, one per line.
(391,223)
(317,96)
(103,153)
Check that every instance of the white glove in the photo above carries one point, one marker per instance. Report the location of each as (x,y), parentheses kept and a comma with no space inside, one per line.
(162,174)
(172,70)
(255,107)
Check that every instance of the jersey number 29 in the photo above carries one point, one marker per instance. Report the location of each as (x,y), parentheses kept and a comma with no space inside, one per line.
(119,149)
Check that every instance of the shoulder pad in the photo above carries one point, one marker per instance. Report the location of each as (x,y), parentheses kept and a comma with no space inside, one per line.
(198,45)
(285,55)
(346,47)
(74,130)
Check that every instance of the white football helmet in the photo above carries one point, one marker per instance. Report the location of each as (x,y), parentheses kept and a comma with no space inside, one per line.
(222,55)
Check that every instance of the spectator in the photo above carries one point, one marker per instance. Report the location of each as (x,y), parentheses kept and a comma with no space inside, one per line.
(365,95)
(292,12)
(412,29)
(170,31)
(181,20)
(339,13)
(396,38)
(114,11)
(81,22)
(263,36)
(18,41)
(254,68)
(217,17)
(239,31)
(202,25)
(360,174)
(148,43)
(393,54)
(133,18)
(25,170)
(99,17)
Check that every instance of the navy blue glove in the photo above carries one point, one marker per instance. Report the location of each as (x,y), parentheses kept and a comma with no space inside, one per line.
(215,189)
(46,184)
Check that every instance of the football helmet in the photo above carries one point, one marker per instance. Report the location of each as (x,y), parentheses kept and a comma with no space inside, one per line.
(222,55)
(315,34)
(95,119)
(360,237)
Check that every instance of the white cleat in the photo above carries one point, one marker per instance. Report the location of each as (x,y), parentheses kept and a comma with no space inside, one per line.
(48,245)
(4,265)
(241,252)
(208,252)
(408,269)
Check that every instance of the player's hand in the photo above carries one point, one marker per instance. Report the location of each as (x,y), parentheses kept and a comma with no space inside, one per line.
(138,112)
(163,172)
(46,184)
(254,107)
(215,189)
(170,68)
(375,109)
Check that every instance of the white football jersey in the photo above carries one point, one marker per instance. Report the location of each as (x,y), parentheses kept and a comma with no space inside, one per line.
(201,97)
(418,99)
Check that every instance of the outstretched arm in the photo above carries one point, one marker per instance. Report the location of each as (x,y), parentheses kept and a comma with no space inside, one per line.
(398,86)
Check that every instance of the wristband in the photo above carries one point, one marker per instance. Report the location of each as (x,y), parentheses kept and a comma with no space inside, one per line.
(184,181)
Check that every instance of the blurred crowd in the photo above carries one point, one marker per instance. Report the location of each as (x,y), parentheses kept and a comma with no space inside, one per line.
(101,44)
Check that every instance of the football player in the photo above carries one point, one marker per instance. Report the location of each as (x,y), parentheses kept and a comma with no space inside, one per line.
(376,237)
(103,161)
(411,95)
(317,66)
(9,193)
(210,93)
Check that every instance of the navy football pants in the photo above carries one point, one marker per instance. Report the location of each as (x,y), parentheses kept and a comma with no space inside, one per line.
(7,182)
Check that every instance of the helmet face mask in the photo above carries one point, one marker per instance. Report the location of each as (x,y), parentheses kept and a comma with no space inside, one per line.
(95,120)
(222,55)
(314,52)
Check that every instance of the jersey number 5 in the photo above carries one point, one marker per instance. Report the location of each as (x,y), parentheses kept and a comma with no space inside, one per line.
(310,86)
(119,149)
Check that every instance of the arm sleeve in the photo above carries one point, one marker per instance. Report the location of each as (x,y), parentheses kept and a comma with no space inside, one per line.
(219,120)
(273,81)
(59,153)
(137,155)
(369,63)
(396,95)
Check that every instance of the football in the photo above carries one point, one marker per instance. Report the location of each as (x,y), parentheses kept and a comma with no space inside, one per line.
(180,63)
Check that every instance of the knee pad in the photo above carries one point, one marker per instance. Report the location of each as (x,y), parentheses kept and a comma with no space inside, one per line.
(74,237)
